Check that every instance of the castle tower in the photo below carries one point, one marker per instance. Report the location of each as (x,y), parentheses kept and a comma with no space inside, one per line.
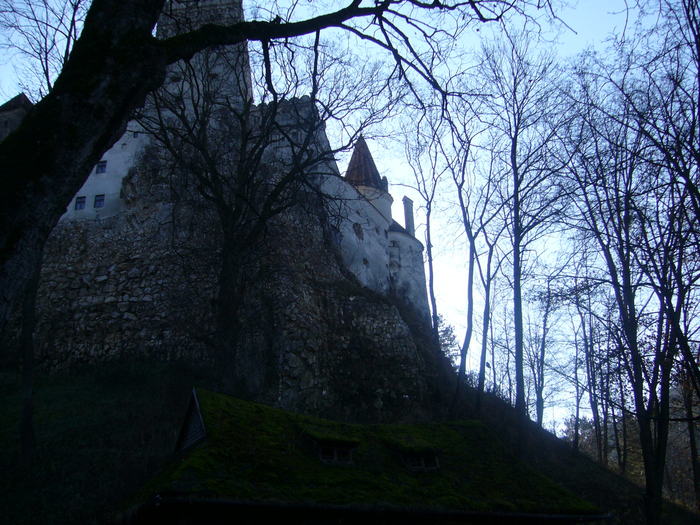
(363,174)
(221,74)
(382,254)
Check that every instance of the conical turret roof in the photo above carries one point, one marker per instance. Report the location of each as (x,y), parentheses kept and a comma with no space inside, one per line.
(362,171)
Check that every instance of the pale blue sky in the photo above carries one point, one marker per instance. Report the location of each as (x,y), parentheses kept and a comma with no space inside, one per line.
(593,21)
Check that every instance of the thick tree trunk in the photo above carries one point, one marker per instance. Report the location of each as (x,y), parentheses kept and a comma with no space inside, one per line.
(595,413)
(616,437)
(605,405)
(26,430)
(694,460)
(461,376)
(431,274)
(520,404)
(541,356)
(46,160)
(240,376)
(625,440)
(652,495)
(578,395)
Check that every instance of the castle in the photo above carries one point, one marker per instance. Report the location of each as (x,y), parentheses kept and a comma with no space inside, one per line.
(383,255)
(131,271)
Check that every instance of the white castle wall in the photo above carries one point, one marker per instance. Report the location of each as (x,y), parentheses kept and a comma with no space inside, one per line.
(224,71)
(119,160)
(386,261)
(362,233)
(407,270)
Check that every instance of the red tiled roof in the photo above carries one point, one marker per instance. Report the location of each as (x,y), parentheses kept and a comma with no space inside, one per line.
(362,171)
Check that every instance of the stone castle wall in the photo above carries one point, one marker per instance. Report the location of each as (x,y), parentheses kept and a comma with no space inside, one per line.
(145,283)
(140,283)
(319,342)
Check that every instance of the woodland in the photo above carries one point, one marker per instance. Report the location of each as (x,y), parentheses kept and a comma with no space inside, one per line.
(572,187)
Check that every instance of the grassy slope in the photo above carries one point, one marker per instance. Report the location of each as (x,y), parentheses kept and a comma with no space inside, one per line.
(576,472)
(104,431)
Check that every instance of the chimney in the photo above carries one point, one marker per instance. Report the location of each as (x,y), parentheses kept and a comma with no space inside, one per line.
(408,216)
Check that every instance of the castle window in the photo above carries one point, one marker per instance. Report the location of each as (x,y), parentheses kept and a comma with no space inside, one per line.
(358,231)
(80,203)
(420,461)
(101,167)
(99,201)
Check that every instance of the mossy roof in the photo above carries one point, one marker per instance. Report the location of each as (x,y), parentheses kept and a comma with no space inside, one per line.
(255,453)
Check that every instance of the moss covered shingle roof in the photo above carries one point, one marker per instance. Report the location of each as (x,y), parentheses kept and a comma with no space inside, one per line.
(255,453)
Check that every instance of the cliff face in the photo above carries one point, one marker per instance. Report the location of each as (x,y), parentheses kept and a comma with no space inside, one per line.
(146,283)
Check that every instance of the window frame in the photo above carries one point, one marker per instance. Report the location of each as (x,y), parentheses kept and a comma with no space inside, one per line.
(99,199)
(80,203)
(421,461)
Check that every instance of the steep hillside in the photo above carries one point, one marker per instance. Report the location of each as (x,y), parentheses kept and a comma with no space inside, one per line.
(103,431)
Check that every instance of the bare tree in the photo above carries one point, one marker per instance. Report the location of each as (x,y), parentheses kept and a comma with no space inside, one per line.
(474,175)
(539,343)
(42,33)
(619,195)
(487,274)
(250,163)
(661,88)
(423,153)
(521,103)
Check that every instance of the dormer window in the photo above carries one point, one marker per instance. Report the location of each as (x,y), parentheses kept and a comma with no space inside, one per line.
(335,452)
(420,461)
